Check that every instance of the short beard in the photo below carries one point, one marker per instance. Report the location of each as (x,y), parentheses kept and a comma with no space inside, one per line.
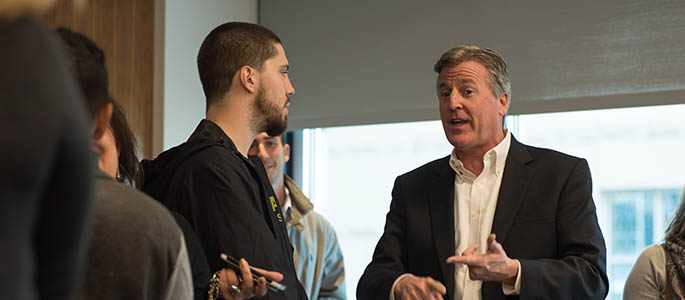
(268,116)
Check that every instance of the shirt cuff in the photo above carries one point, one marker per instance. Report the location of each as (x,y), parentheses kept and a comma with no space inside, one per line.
(508,289)
(392,289)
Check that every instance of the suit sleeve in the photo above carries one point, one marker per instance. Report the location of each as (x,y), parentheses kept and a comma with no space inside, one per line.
(580,270)
(390,257)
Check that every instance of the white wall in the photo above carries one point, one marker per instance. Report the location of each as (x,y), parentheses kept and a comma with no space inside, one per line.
(186,25)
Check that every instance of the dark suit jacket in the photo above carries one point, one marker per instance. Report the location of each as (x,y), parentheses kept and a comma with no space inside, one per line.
(545,217)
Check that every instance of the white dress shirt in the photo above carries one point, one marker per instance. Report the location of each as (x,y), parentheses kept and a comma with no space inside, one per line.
(475,200)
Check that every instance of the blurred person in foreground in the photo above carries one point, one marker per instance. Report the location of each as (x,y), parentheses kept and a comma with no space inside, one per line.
(495,219)
(225,196)
(318,259)
(659,272)
(137,250)
(45,160)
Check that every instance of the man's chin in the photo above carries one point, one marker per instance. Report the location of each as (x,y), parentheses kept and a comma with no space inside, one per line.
(459,142)
(277,128)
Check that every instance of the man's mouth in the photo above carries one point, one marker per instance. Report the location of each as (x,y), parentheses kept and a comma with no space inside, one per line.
(459,121)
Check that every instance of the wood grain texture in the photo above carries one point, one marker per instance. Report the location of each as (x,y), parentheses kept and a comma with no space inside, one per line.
(124,29)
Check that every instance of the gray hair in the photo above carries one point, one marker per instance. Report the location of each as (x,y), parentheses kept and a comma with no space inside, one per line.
(676,229)
(498,72)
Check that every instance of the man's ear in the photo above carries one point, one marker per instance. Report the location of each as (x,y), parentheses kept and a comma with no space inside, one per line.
(101,122)
(248,78)
(286,153)
(504,104)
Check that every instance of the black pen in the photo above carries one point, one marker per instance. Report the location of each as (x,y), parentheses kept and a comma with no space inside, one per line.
(270,284)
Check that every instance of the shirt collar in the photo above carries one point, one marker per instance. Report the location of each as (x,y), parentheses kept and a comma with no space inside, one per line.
(497,155)
(287,204)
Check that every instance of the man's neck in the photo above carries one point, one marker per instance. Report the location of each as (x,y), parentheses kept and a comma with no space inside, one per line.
(473,160)
(279,189)
(234,121)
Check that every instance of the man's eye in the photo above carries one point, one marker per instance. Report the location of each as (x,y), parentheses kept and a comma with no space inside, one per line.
(445,94)
(468,91)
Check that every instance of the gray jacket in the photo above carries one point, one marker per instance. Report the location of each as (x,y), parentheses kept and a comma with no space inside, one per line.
(137,250)
(317,255)
(647,279)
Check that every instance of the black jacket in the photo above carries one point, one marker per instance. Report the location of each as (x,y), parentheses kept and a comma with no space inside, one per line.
(545,217)
(228,201)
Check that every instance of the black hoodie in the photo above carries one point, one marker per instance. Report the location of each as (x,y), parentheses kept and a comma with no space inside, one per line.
(228,201)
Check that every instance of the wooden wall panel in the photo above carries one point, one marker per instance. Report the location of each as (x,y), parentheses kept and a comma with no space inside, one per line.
(124,29)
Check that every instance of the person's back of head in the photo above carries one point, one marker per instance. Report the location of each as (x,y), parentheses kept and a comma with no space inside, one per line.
(226,49)
(87,62)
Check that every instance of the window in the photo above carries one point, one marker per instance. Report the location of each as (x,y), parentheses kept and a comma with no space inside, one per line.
(634,156)
(638,219)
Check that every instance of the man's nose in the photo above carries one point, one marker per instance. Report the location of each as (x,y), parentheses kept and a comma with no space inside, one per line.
(456,102)
(261,152)
(289,89)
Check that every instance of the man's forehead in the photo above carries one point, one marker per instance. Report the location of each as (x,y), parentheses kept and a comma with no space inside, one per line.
(265,137)
(279,60)
(466,71)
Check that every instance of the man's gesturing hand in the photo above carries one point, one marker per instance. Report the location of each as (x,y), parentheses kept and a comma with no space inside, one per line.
(411,287)
(493,265)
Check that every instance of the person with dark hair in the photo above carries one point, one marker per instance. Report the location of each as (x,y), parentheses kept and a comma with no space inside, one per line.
(494,219)
(137,250)
(126,170)
(210,180)
(659,272)
(45,161)
(126,146)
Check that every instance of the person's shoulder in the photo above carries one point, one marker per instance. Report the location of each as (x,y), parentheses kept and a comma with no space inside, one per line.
(654,254)
(213,156)
(546,153)
(550,157)
(126,204)
(431,168)
(213,159)
(651,261)
(647,278)
(319,221)
(324,229)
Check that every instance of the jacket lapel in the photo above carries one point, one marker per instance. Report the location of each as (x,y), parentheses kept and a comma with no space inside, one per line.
(441,203)
(517,175)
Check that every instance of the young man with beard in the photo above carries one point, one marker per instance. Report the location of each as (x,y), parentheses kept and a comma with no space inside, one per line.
(225,196)
(318,258)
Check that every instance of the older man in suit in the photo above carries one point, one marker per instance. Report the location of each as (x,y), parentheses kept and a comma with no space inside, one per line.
(496,219)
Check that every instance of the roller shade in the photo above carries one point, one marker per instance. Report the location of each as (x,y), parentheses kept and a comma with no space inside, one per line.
(366,62)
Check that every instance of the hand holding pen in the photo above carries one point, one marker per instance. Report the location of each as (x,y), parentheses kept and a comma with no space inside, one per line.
(245,285)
